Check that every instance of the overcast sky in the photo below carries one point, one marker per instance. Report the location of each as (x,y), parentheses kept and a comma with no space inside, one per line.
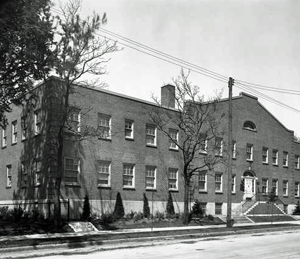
(257,41)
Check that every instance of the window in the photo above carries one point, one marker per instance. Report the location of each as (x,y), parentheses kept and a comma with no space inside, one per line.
(249,125)
(265,155)
(218,182)
(297,162)
(203,146)
(249,152)
(4,137)
(203,181)
(275,186)
(285,159)
(150,177)
(104,173)
(173,180)
(24,127)
(218,208)
(128,129)
(285,188)
(264,186)
(23,175)
(233,184)
(72,170)
(233,149)
(37,122)
(275,157)
(173,138)
(104,126)
(37,168)
(8,176)
(74,120)
(203,206)
(219,147)
(128,176)
(150,135)
(297,185)
(14,132)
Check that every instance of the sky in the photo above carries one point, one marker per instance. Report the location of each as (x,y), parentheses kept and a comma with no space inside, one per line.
(256,41)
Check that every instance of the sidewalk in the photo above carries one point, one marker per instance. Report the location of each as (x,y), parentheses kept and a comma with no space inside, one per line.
(70,243)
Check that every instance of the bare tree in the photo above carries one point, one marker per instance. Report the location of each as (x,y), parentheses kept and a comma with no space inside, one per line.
(197,121)
(80,52)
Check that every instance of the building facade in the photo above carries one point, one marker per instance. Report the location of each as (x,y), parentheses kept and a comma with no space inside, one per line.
(112,145)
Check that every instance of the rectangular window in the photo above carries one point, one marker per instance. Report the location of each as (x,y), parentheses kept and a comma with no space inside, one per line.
(4,137)
(104,173)
(265,155)
(173,179)
(128,176)
(8,176)
(218,208)
(203,146)
(37,122)
(285,159)
(249,152)
(264,186)
(128,129)
(219,146)
(297,185)
(233,149)
(37,168)
(72,170)
(173,138)
(74,120)
(275,157)
(14,132)
(285,188)
(297,162)
(104,126)
(23,175)
(275,186)
(218,182)
(150,135)
(203,206)
(203,181)
(150,177)
(233,184)
(24,127)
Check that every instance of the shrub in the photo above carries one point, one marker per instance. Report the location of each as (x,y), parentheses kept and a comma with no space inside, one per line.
(106,218)
(297,209)
(170,206)
(86,213)
(210,217)
(3,212)
(138,216)
(130,215)
(159,215)
(146,208)
(119,209)
(196,209)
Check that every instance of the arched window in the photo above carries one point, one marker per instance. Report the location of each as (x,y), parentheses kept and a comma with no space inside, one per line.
(249,125)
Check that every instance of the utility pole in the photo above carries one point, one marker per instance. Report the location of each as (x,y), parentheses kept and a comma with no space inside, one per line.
(229,222)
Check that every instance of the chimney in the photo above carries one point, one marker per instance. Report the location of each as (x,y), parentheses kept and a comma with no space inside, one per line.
(168,96)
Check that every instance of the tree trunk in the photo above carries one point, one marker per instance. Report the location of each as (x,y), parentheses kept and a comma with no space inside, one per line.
(186,201)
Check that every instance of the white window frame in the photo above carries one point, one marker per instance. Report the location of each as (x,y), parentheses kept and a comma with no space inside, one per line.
(150,177)
(285,188)
(249,152)
(219,143)
(275,152)
(202,180)
(4,137)
(233,149)
(173,177)
(74,119)
(151,135)
(218,210)
(37,122)
(297,189)
(297,162)
(285,159)
(204,146)
(173,133)
(265,180)
(276,186)
(129,129)
(104,126)
(233,184)
(219,182)
(129,172)
(75,168)
(104,168)
(14,132)
(8,176)
(265,155)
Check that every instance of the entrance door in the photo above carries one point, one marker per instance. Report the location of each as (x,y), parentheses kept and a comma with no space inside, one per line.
(249,187)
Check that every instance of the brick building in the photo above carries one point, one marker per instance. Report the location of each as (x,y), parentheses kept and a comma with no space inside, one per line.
(113,146)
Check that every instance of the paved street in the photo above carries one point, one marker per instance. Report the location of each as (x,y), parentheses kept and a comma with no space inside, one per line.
(272,245)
